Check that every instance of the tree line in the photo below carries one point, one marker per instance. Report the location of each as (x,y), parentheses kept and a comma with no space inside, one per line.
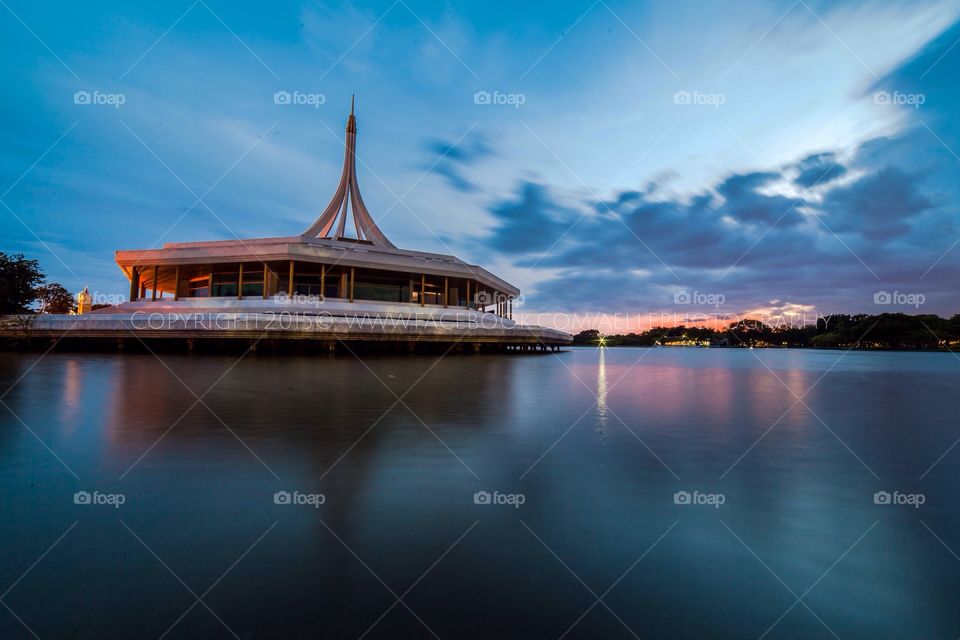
(860,331)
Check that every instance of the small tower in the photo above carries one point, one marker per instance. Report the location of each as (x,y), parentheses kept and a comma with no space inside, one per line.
(84,302)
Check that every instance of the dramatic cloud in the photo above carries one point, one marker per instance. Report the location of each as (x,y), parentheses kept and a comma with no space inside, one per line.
(820,168)
(880,206)
(530,223)
(741,239)
(454,158)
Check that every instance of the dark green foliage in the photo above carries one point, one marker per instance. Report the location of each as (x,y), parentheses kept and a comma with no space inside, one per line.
(19,279)
(54,298)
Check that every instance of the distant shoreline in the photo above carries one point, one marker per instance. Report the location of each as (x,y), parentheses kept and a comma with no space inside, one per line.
(863,332)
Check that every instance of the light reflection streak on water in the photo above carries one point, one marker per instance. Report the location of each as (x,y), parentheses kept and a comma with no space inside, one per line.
(602,392)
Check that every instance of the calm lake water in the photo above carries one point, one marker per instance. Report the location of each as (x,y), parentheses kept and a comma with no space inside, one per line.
(583,454)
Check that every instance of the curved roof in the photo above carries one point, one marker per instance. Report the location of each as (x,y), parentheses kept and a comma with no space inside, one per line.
(332,223)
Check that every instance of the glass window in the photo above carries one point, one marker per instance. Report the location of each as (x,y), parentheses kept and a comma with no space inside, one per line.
(307,285)
(198,287)
(252,289)
(225,284)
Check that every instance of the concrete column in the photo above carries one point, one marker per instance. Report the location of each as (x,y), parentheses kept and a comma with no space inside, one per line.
(156,276)
(240,283)
(176,284)
(134,283)
(290,283)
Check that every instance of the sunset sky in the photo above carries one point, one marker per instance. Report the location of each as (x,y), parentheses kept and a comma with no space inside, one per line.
(772,157)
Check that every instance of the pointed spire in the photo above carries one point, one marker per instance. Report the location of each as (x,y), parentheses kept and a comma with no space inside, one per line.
(332,222)
(351,121)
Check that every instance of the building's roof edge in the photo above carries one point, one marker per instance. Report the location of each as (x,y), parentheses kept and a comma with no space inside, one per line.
(344,245)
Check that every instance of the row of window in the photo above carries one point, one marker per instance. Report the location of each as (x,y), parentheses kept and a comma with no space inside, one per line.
(226,285)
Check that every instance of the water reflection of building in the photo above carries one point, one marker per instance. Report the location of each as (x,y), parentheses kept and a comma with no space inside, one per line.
(147,398)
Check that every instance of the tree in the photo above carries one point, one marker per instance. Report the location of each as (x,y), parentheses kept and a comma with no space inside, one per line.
(590,336)
(749,332)
(19,279)
(54,298)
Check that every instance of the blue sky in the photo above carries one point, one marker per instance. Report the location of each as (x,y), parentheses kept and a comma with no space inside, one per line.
(777,156)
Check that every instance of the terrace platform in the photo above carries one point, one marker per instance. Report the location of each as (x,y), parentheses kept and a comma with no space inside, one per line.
(205,323)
